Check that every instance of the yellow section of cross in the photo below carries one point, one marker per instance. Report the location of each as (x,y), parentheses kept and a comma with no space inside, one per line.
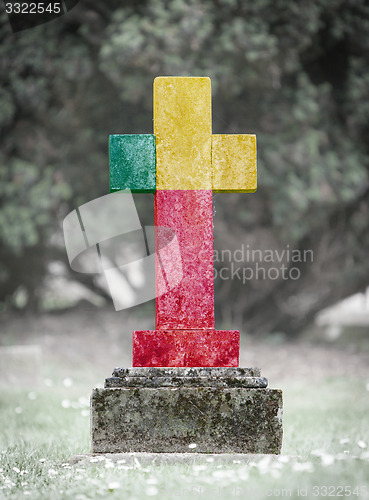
(233,159)
(182,127)
(188,156)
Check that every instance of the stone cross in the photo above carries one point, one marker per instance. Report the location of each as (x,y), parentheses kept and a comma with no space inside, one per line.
(183,163)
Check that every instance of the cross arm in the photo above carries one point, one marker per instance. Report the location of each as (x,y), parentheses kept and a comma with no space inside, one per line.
(132,162)
(233,161)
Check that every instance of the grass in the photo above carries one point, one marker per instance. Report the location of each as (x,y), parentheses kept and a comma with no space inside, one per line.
(325,451)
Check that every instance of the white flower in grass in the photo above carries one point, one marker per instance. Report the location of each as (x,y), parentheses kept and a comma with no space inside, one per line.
(8,482)
(121,461)
(65,403)
(15,469)
(18,410)
(42,460)
(361,444)
(152,480)
(52,472)
(114,485)
(327,460)
(264,464)
(303,467)
(219,474)
(192,446)
(32,396)
(199,467)
(243,474)
(67,382)
(109,465)
(85,413)
(152,491)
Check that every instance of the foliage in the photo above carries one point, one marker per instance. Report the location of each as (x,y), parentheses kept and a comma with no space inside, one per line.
(296,74)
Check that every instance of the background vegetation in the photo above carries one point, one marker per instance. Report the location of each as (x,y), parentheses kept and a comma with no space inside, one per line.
(294,73)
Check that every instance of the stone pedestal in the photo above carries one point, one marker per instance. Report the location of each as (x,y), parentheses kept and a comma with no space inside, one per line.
(170,410)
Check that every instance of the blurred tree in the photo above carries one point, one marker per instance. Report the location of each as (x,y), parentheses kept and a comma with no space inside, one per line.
(296,74)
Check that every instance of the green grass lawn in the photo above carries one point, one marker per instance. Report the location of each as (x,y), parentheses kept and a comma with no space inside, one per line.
(325,451)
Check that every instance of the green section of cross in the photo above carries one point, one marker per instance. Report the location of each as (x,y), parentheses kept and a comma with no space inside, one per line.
(132,161)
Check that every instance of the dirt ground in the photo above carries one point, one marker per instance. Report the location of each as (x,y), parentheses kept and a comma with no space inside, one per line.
(88,342)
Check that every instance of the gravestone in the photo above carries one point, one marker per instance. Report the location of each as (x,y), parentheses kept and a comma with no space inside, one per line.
(185,391)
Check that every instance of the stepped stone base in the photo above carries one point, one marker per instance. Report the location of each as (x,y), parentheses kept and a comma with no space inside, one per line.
(169,410)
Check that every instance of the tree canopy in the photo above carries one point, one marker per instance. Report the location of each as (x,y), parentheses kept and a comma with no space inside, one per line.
(294,73)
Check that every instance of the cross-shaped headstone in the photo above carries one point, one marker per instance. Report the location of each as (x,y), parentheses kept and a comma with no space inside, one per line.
(183,163)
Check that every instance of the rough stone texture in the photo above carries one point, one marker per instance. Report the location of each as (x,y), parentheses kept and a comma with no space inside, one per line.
(182,126)
(185,348)
(191,304)
(189,377)
(168,420)
(132,163)
(234,163)
(186,372)
(251,382)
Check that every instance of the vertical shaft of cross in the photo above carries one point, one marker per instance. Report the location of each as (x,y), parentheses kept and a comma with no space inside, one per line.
(191,304)
(183,199)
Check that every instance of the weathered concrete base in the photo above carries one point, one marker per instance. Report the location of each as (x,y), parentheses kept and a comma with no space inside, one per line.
(217,415)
